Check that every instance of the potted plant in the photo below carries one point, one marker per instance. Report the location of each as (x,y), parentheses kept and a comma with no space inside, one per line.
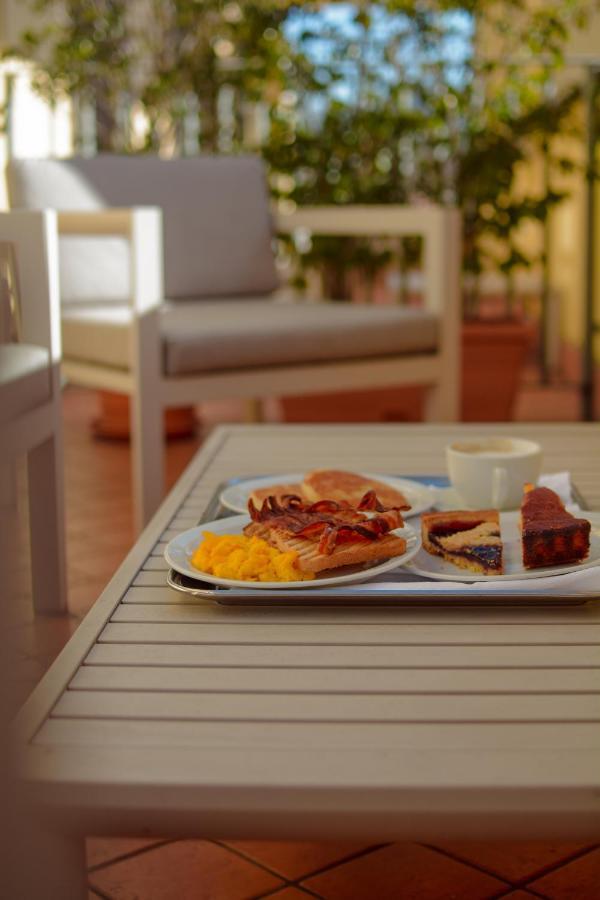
(498,334)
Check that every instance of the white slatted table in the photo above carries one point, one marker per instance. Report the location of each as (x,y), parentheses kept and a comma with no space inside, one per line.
(170,715)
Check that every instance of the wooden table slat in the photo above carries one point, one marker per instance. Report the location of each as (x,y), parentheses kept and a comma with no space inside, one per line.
(329,707)
(363,634)
(159,549)
(354,681)
(117,732)
(356,657)
(155,564)
(183,522)
(161,604)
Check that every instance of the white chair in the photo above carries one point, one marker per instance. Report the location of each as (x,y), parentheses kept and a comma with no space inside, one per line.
(30,402)
(223,330)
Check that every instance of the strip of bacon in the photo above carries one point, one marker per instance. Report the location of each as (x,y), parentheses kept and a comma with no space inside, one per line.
(344,534)
(370,501)
(327,521)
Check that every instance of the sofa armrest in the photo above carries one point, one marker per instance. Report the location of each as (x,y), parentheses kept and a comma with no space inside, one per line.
(375,220)
(142,227)
(440,228)
(32,235)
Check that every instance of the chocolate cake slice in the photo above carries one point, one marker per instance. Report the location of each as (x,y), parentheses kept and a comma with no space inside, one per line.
(551,536)
(465,538)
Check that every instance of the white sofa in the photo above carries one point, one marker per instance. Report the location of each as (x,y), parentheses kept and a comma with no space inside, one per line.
(198,315)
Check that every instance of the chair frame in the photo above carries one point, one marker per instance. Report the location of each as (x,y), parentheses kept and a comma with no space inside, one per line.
(38,432)
(151,392)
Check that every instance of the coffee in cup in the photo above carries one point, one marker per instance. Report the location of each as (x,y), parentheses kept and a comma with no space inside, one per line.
(491,472)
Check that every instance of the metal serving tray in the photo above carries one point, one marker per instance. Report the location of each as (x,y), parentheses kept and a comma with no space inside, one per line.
(355,594)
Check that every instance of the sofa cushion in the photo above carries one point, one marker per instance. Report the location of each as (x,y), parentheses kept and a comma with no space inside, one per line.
(217,225)
(233,335)
(91,268)
(24,379)
(97,333)
(222,335)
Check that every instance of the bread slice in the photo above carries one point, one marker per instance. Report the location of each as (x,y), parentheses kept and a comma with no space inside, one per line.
(466,538)
(309,558)
(258,495)
(335,484)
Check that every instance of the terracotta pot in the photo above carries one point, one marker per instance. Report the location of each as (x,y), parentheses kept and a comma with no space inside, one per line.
(113,421)
(399,404)
(493,354)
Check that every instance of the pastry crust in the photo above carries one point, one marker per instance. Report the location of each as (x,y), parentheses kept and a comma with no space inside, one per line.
(469,539)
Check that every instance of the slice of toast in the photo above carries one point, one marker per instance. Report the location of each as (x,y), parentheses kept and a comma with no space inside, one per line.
(348,487)
(309,558)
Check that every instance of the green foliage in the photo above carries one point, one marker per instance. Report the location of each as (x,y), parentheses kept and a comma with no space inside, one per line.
(388,114)
(82,51)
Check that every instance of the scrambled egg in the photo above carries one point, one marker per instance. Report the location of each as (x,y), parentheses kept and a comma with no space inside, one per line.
(244,558)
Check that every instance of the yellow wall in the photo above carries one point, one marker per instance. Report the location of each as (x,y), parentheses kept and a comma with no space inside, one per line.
(569,225)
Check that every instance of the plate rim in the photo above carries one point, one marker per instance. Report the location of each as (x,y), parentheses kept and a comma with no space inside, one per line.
(294,476)
(385,566)
(463,575)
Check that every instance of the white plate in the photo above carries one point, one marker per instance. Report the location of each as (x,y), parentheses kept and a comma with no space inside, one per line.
(178,553)
(420,496)
(436,567)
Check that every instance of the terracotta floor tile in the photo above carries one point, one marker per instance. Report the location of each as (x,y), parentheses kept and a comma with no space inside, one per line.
(295,859)
(579,880)
(101,850)
(106,562)
(289,893)
(83,597)
(513,861)
(518,895)
(406,871)
(25,674)
(190,870)
(21,610)
(45,636)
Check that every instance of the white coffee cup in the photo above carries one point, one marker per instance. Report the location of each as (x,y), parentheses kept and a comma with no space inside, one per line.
(491,471)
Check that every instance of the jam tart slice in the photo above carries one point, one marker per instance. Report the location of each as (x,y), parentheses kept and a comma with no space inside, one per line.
(466,538)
